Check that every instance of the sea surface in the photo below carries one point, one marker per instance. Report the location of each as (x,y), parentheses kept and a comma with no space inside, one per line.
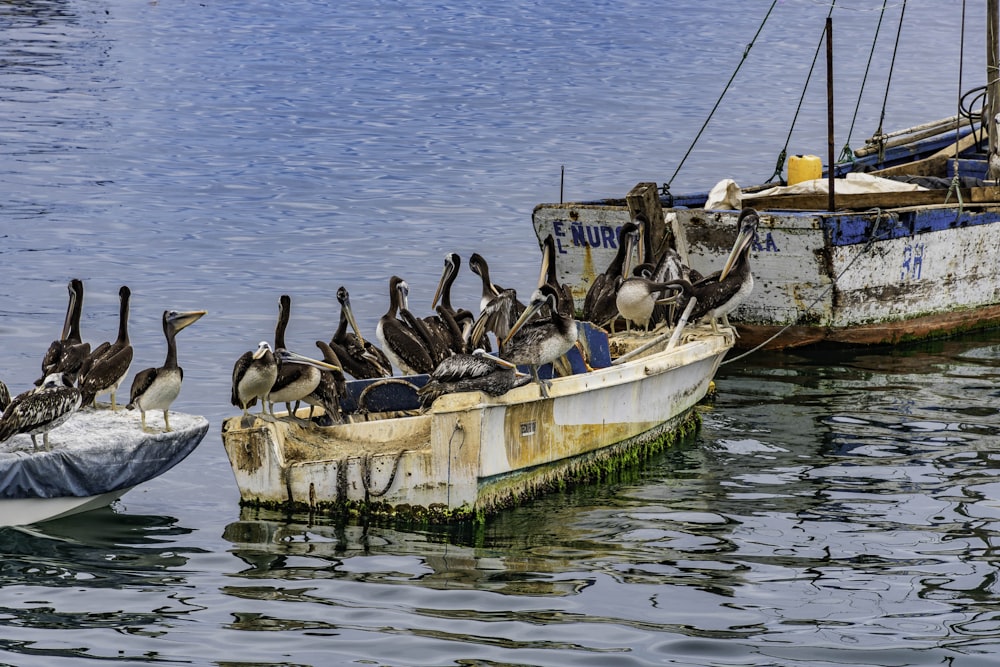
(836,508)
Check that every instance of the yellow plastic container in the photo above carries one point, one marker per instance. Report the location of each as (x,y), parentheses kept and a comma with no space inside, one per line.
(804,168)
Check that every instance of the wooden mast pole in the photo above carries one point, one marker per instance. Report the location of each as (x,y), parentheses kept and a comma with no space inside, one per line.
(831,156)
(992,106)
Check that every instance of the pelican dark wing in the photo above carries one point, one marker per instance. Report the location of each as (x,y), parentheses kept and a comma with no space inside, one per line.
(359,357)
(106,368)
(39,410)
(253,376)
(535,342)
(599,305)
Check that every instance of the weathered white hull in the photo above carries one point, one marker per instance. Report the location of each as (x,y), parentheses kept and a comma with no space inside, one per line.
(866,277)
(26,511)
(472,453)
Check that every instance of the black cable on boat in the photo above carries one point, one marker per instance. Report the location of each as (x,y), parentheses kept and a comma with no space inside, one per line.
(780,166)
(879,133)
(846,154)
(746,52)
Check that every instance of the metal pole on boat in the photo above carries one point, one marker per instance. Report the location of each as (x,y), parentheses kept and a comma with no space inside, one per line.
(992,105)
(831,160)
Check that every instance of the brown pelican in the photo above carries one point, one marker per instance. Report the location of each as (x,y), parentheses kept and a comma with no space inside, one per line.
(4,396)
(445,323)
(360,358)
(106,367)
(599,305)
(40,409)
(295,381)
(548,275)
(722,292)
(253,377)
(298,378)
(331,388)
(535,342)
(479,371)
(157,388)
(404,347)
(67,354)
(638,297)
(478,265)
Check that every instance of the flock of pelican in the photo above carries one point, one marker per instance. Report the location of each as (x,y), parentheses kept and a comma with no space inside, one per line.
(74,374)
(452,346)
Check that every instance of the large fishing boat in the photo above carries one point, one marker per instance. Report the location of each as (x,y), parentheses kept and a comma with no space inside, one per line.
(897,242)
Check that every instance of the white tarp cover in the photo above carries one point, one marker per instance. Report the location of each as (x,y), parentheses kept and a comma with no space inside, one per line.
(96,452)
(726,195)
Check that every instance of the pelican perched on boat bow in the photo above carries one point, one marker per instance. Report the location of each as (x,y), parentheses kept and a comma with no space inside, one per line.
(40,409)
(535,342)
(106,367)
(479,371)
(405,348)
(253,376)
(331,388)
(300,375)
(599,305)
(158,388)
(67,354)
(720,293)
(360,358)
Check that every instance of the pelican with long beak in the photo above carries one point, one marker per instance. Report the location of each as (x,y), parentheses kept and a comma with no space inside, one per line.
(158,388)
(253,376)
(721,293)
(298,377)
(478,371)
(536,342)
(599,306)
(360,358)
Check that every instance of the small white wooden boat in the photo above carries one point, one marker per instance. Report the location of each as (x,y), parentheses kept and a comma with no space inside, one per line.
(95,458)
(471,454)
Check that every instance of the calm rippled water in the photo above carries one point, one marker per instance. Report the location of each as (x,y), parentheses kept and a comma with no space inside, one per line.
(836,508)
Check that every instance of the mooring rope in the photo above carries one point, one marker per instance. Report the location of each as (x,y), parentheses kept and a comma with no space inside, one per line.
(871,240)
(879,136)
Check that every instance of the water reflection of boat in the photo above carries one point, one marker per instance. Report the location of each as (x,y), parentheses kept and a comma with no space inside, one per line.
(275,546)
(96,458)
(471,454)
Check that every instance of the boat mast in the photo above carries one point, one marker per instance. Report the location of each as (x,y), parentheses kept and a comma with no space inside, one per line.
(992,106)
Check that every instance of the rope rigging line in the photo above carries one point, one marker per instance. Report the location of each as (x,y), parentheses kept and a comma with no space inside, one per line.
(956,182)
(879,136)
(783,155)
(846,154)
(746,52)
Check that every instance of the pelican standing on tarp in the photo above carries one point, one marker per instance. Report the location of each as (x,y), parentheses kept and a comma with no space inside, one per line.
(360,358)
(158,388)
(404,347)
(599,305)
(40,409)
(253,376)
(535,342)
(67,354)
(722,292)
(106,367)
(479,371)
